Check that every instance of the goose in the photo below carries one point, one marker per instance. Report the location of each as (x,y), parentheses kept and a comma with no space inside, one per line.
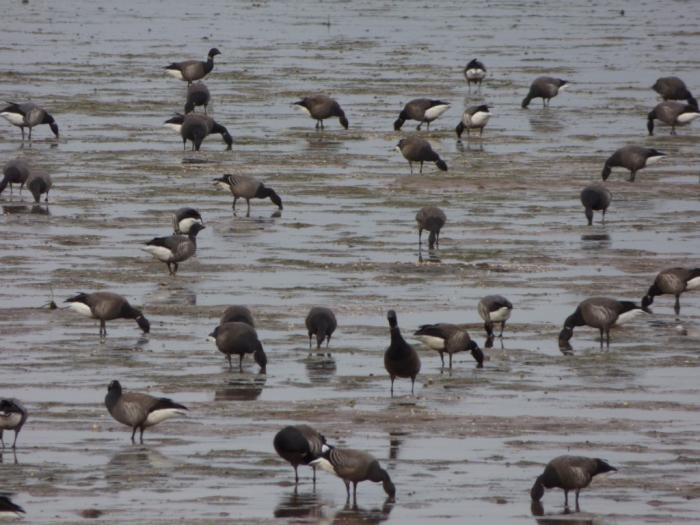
(39,183)
(12,417)
(15,171)
(321,107)
(445,337)
(569,473)
(191,70)
(474,117)
(174,249)
(239,338)
(354,466)
(599,312)
(28,115)
(246,187)
(545,88)
(299,445)
(139,411)
(416,149)
(421,109)
(197,95)
(400,358)
(8,509)
(673,88)
(107,306)
(430,218)
(494,309)
(633,158)
(474,73)
(320,322)
(195,127)
(595,197)
(239,314)
(673,281)
(672,114)
(184,218)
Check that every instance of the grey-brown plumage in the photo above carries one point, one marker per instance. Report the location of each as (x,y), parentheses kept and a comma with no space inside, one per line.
(175,248)
(569,473)
(400,358)
(424,110)
(416,149)
(39,183)
(595,197)
(299,445)
(430,218)
(28,115)
(246,187)
(191,70)
(197,95)
(240,339)
(545,88)
(106,306)
(195,127)
(12,417)
(184,218)
(320,322)
(15,171)
(474,117)
(139,411)
(238,314)
(673,281)
(450,338)
(672,114)
(494,309)
(673,88)
(321,107)
(633,158)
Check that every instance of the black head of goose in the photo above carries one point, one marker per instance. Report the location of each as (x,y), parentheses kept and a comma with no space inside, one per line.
(474,73)
(39,183)
(446,337)
(184,218)
(416,149)
(106,306)
(673,281)
(191,70)
(494,309)
(246,187)
(421,109)
(595,197)
(12,417)
(400,358)
(237,314)
(672,113)
(633,158)
(545,88)
(197,95)
(15,171)
(8,509)
(299,445)
(430,218)
(176,248)
(321,107)
(240,339)
(320,322)
(673,88)
(28,115)
(474,117)
(196,127)
(139,411)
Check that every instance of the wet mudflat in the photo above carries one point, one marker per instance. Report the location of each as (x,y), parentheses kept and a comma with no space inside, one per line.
(470,444)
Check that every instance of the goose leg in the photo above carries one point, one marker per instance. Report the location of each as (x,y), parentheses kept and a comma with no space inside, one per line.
(442,359)
(450,355)
(30,133)
(410,164)
(577,507)
(673,130)
(566,499)
(347,488)
(133,433)
(354,492)
(418,126)
(141,435)
(103,328)
(633,174)
(174,268)
(413,382)
(503,326)
(607,338)
(602,338)
(14,443)
(296,474)
(22,129)
(420,234)
(392,386)
(247,213)
(421,167)
(240,363)
(230,365)
(234,204)
(2,440)
(314,470)
(677,306)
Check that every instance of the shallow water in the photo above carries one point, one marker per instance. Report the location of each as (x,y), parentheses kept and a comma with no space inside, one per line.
(471,442)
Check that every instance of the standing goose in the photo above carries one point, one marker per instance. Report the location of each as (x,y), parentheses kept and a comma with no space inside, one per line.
(196,127)
(12,417)
(39,183)
(494,309)
(595,197)
(174,249)
(354,466)
(320,322)
(421,109)
(568,473)
(28,115)
(8,509)
(445,337)
(106,306)
(672,114)
(400,358)
(299,445)
(416,149)
(239,338)
(197,95)
(15,171)
(474,117)
(633,158)
(139,411)
(238,314)
(185,218)
(673,281)
(191,70)
(599,312)
(321,107)
(246,187)
(545,88)
(673,88)
(474,73)
(430,218)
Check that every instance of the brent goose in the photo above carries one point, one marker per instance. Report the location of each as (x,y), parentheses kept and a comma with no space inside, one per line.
(299,445)
(569,473)
(673,88)
(633,158)
(240,339)
(421,109)
(320,322)
(673,281)
(106,306)
(474,73)
(416,149)
(672,113)
(545,88)
(175,248)
(246,187)
(139,411)
(445,337)
(197,95)
(12,417)
(320,107)
(238,314)
(474,117)
(184,218)
(430,218)
(191,70)
(195,127)
(595,197)
(28,115)
(494,309)
(8,509)
(39,183)
(400,358)
(15,171)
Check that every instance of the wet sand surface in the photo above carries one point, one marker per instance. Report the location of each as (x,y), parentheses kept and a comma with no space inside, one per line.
(470,444)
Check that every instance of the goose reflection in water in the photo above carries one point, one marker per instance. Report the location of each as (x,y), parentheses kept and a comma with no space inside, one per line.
(241,389)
